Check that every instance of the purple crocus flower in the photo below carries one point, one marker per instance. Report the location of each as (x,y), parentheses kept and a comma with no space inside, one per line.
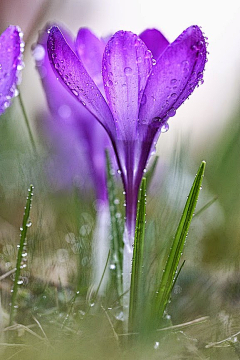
(80,140)
(11,49)
(144,80)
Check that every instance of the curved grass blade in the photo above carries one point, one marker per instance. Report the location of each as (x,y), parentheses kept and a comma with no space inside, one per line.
(116,227)
(25,225)
(170,271)
(137,263)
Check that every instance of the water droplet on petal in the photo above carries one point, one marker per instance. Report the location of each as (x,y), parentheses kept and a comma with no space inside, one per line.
(164,128)
(171,112)
(127,71)
(109,83)
(75,92)
(173,81)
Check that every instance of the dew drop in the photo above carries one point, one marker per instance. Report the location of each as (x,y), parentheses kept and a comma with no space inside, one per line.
(109,83)
(128,71)
(171,112)
(164,128)
(75,92)
(29,223)
(173,81)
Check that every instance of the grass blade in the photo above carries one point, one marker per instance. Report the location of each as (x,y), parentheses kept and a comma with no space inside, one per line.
(169,273)
(116,227)
(137,262)
(25,225)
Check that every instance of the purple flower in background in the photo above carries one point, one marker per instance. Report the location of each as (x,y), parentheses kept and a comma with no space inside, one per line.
(79,140)
(144,80)
(11,49)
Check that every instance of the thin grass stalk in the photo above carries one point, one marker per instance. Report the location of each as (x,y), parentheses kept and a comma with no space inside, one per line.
(25,225)
(137,262)
(116,228)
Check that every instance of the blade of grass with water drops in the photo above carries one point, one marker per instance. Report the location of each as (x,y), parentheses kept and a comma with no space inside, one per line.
(21,248)
(136,290)
(116,227)
(169,273)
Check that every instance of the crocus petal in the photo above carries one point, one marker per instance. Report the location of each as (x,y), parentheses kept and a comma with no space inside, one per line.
(60,102)
(74,76)
(126,66)
(11,48)
(177,72)
(155,41)
(90,50)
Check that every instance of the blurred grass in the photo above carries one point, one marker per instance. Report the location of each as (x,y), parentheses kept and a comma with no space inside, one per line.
(59,257)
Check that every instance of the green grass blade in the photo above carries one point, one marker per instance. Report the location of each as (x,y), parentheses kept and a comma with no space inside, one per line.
(116,226)
(137,262)
(25,225)
(169,273)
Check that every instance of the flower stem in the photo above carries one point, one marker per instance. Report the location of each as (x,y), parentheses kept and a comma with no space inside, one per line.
(27,124)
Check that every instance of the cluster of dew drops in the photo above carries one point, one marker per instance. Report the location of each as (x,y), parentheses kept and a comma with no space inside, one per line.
(23,278)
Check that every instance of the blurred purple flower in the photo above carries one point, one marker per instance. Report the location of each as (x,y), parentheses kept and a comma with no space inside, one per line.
(141,92)
(79,140)
(11,49)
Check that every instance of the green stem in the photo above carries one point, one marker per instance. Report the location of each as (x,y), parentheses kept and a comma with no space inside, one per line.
(27,123)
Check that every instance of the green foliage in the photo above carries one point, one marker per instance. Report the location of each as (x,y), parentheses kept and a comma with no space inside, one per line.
(170,271)
(136,289)
(117,227)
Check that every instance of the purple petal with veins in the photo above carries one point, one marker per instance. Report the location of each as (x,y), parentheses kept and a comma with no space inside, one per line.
(127,64)
(155,41)
(73,74)
(76,138)
(177,72)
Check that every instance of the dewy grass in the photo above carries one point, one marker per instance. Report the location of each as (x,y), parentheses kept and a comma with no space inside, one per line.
(136,288)
(116,227)
(26,223)
(170,270)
